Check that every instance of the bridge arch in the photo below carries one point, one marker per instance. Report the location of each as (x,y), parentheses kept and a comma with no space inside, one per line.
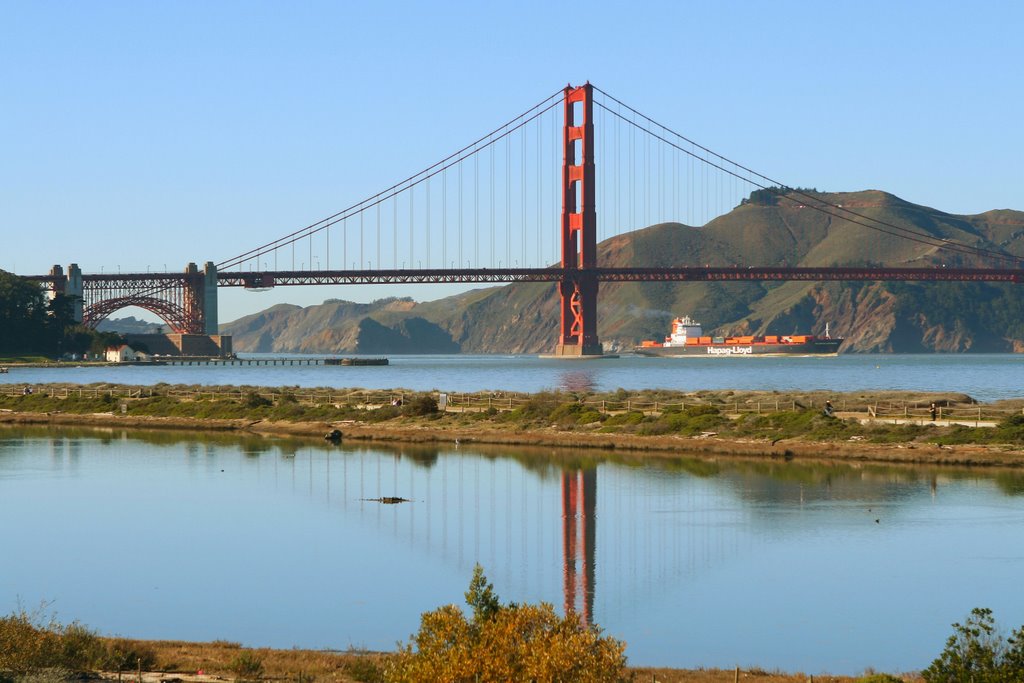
(176,317)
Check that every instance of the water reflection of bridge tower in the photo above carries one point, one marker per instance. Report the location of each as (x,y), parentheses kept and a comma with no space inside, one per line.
(579,503)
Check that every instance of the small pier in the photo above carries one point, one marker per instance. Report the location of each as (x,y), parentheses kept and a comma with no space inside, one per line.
(227,362)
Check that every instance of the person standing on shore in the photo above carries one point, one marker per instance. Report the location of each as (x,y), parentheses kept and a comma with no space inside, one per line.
(933,411)
(829,410)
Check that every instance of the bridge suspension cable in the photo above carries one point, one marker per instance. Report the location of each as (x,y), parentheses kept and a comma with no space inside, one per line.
(784,191)
(423,177)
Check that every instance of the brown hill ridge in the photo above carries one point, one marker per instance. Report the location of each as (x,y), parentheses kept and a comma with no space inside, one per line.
(763,230)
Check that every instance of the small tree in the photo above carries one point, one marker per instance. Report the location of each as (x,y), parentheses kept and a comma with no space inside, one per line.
(506,643)
(977,653)
(481,597)
(1013,658)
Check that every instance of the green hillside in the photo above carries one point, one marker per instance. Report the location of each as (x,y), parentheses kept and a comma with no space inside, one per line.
(874,317)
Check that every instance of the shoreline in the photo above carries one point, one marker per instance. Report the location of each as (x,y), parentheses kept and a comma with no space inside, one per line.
(909,453)
(211,662)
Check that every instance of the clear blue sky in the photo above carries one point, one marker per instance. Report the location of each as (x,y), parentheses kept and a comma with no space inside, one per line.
(149,134)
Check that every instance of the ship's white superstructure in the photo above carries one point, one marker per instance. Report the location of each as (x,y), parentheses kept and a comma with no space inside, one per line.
(682,329)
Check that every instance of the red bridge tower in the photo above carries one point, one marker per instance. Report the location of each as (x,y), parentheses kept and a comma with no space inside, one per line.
(578,285)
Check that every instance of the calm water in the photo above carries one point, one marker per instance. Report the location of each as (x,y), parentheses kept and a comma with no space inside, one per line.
(985,377)
(693,563)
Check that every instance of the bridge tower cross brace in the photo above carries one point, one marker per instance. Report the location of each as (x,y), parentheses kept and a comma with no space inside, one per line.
(578,287)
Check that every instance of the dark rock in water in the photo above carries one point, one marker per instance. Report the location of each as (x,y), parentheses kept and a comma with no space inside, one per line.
(388,500)
(334,436)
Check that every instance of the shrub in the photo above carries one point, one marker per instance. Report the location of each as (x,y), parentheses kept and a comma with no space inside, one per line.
(254,400)
(656,428)
(506,643)
(424,404)
(701,409)
(977,653)
(364,669)
(568,414)
(28,645)
(787,424)
(124,655)
(381,414)
(78,648)
(51,650)
(1010,430)
(247,666)
(288,410)
(537,407)
(625,419)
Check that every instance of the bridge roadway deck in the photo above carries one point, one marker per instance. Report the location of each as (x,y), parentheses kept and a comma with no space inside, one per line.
(263,279)
(280,278)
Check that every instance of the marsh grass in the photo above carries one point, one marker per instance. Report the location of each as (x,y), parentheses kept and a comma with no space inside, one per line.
(689,421)
(766,416)
(1008,431)
(220,657)
(247,666)
(38,650)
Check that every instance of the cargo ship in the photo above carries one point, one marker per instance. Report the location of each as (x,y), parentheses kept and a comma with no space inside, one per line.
(687,339)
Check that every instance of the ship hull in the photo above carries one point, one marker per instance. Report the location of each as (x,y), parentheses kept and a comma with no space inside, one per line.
(815,347)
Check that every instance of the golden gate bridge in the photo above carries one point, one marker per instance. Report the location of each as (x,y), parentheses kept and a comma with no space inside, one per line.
(504,209)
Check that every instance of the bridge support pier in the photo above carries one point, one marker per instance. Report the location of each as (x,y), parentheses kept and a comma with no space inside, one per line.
(578,286)
(210,298)
(75,290)
(578,317)
(70,286)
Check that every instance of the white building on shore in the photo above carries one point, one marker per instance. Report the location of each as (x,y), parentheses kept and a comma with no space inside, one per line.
(121,354)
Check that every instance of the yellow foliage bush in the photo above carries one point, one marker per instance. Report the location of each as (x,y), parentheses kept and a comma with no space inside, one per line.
(26,645)
(506,643)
